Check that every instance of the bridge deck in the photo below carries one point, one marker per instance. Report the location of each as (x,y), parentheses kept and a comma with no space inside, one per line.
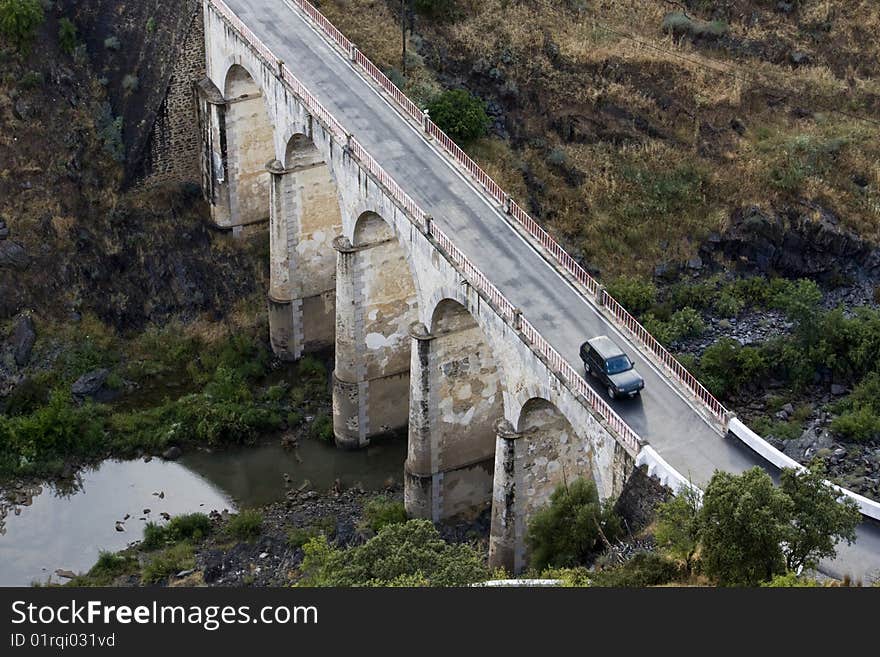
(662,415)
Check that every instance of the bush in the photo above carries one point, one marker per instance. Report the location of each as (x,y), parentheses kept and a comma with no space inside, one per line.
(322,429)
(728,304)
(567,532)
(190,526)
(246,525)
(435,8)
(644,569)
(297,537)
(67,36)
(726,367)
(19,21)
(634,294)
(409,554)
(859,417)
(107,568)
(791,580)
(678,527)
(155,537)
(382,511)
(460,115)
(169,562)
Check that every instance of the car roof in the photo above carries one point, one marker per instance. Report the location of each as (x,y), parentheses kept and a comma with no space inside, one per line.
(605,347)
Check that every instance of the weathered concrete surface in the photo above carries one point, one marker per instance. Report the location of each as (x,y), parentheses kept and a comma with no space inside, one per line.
(376,303)
(455,399)
(249,146)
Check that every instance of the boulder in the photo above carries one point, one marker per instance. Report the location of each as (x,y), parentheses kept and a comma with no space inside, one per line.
(837,389)
(810,442)
(172,453)
(91,384)
(13,255)
(23,337)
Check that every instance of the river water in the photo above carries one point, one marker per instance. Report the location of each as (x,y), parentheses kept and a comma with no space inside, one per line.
(56,529)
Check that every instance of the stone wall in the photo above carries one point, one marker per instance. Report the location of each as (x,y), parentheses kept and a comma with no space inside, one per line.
(173,147)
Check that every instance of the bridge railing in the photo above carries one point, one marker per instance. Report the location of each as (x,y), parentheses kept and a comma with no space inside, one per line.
(656,351)
(472,273)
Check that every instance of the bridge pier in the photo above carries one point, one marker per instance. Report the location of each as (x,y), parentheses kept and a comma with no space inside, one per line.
(455,398)
(506,537)
(375,303)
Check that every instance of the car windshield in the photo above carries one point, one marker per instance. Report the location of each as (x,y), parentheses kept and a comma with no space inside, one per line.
(618,364)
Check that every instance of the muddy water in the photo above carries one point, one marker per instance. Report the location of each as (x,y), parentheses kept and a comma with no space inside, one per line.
(51,529)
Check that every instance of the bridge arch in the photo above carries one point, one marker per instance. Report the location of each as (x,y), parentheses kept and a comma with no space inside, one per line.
(247,143)
(457,395)
(377,292)
(305,217)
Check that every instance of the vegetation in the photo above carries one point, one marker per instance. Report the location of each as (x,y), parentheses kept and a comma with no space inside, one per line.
(460,115)
(245,525)
(220,402)
(67,36)
(643,569)
(170,561)
(749,531)
(187,527)
(297,537)
(106,570)
(19,21)
(408,554)
(572,527)
(381,511)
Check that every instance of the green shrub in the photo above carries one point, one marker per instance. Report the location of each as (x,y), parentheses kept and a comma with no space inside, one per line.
(151,25)
(246,525)
(460,115)
(728,304)
(791,580)
(634,294)
(567,532)
(382,511)
(697,295)
(726,367)
(67,35)
(19,21)
(155,536)
(190,526)
(169,562)
(297,537)
(409,554)
(644,569)
(435,8)
(862,424)
(107,568)
(678,527)
(322,428)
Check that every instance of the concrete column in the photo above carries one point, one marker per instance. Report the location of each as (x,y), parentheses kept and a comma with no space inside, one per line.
(282,320)
(349,404)
(422,498)
(506,537)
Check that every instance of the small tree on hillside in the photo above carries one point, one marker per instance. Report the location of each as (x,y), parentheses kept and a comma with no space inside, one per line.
(744,520)
(460,115)
(565,533)
(821,517)
(678,526)
(19,20)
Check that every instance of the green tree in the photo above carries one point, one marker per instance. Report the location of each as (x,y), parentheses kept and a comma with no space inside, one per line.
(19,21)
(409,554)
(633,293)
(744,520)
(460,115)
(821,517)
(678,526)
(67,37)
(567,531)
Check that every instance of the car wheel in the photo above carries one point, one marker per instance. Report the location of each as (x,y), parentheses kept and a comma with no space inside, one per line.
(611,393)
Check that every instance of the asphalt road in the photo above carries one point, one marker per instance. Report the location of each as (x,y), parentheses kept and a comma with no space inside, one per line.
(565,319)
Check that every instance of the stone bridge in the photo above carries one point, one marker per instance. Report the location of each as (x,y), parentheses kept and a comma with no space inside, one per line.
(452,313)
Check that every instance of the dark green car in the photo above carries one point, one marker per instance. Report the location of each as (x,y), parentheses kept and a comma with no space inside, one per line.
(608,363)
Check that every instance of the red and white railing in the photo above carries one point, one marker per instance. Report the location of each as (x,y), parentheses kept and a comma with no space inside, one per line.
(656,350)
(471,272)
